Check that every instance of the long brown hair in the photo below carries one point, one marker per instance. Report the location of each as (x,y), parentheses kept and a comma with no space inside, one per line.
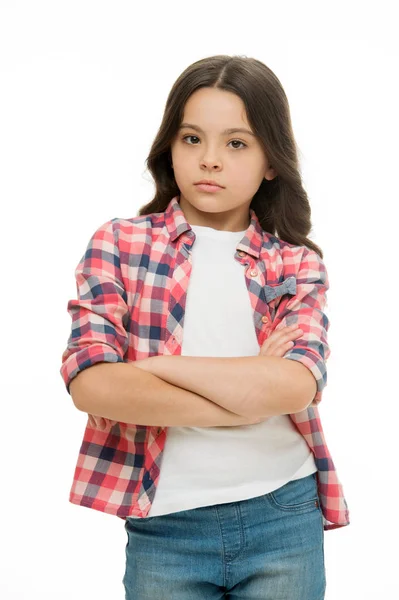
(282,204)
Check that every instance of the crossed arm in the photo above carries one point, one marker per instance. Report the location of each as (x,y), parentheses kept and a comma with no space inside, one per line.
(252,386)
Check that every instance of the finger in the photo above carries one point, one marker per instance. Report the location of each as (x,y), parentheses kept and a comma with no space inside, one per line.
(278,345)
(282,336)
(292,334)
(286,331)
(279,338)
(298,331)
(283,348)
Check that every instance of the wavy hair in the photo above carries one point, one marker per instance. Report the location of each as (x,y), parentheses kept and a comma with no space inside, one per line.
(282,204)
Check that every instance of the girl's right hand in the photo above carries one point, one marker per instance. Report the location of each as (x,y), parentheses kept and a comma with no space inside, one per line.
(279,342)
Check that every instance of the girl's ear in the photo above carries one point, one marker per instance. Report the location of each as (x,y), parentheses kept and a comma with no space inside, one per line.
(270,174)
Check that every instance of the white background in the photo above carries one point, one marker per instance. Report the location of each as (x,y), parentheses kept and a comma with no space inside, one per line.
(83,88)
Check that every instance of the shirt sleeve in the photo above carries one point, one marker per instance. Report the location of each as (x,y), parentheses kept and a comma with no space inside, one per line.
(307,310)
(100,313)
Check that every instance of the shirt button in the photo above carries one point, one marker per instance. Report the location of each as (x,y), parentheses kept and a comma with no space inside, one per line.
(241,253)
(253,273)
(265,319)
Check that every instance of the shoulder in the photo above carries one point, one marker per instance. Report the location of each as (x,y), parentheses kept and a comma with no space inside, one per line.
(148,223)
(121,228)
(285,259)
(279,251)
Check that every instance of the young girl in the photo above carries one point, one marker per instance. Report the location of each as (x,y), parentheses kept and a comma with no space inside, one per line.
(200,436)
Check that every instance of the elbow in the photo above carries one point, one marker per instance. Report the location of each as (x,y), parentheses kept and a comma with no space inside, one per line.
(93,389)
(308,389)
(301,385)
(86,385)
(78,391)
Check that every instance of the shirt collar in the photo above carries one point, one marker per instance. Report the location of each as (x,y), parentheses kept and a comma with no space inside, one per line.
(177,224)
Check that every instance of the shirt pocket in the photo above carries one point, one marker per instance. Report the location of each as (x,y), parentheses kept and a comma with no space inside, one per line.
(274,293)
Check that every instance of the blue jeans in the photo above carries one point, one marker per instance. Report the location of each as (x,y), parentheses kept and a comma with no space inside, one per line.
(270,547)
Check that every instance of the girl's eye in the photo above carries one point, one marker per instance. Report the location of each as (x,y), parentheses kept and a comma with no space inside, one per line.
(194,136)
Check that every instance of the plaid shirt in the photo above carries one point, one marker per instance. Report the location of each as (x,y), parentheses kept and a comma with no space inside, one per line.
(131,284)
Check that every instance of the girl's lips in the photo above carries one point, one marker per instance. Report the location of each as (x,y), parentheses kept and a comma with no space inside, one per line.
(206,187)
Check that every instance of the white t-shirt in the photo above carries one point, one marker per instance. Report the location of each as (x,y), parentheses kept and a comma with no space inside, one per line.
(202,466)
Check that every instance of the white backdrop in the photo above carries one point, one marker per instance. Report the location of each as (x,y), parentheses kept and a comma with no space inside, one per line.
(83,87)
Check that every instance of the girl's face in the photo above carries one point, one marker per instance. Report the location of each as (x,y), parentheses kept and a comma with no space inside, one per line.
(234,160)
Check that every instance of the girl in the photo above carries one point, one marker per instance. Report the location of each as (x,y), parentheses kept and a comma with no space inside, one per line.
(200,436)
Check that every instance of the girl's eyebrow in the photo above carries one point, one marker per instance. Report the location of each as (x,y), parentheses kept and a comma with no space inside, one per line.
(226,131)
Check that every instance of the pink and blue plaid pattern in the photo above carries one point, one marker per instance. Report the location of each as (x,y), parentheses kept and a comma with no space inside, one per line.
(131,285)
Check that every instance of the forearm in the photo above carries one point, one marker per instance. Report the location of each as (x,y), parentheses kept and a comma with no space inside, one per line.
(229,382)
(252,386)
(132,395)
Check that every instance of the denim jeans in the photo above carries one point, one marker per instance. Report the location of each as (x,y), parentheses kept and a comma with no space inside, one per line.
(270,547)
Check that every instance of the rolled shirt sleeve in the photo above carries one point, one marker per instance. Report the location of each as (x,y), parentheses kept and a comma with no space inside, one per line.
(306,308)
(100,313)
